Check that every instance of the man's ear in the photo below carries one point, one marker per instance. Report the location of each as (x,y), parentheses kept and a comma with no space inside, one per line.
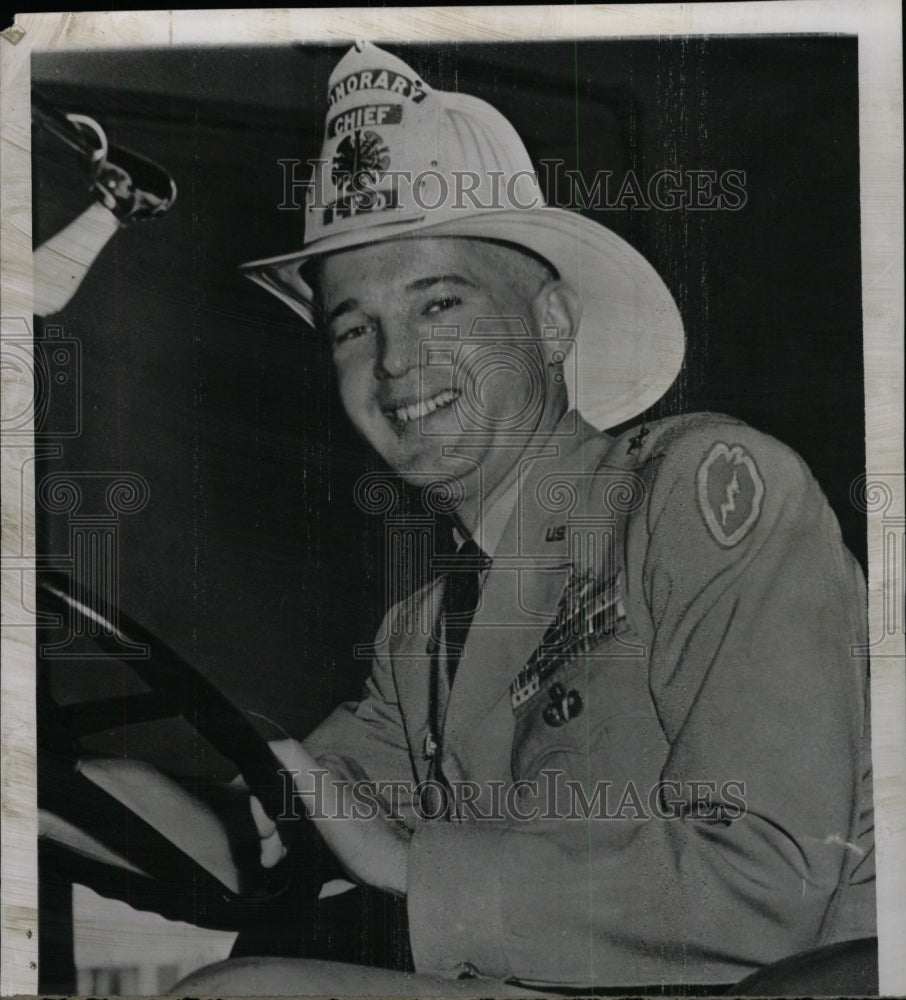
(556,306)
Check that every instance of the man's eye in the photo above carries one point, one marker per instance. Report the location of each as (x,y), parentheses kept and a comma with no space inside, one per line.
(442,305)
(351,333)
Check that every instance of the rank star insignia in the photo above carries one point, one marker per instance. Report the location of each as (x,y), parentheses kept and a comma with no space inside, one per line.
(730,491)
(635,443)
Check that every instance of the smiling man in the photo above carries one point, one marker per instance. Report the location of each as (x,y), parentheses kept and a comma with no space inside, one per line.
(446,419)
(621,738)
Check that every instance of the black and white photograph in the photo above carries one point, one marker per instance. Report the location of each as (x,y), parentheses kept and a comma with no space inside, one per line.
(453,534)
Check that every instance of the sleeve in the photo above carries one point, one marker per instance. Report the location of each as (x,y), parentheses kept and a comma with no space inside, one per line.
(754,608)
(366,740)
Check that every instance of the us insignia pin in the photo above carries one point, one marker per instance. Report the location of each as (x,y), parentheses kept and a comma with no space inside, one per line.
(730,491)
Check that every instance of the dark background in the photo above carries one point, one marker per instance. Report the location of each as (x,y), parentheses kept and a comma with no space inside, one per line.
(251,558)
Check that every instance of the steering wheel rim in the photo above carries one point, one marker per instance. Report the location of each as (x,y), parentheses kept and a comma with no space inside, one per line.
(176,688)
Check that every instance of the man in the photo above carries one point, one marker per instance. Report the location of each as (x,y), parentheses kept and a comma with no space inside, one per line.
(622,740)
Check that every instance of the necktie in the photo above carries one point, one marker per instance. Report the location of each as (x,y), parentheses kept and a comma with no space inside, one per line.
(462,588)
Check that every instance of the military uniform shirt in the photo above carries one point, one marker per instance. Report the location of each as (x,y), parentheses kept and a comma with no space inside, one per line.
(672,618)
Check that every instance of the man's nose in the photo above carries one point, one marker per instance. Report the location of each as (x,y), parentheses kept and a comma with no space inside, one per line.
(397,353)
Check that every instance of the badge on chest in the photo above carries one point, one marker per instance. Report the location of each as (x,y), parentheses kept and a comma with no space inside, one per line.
(591,612)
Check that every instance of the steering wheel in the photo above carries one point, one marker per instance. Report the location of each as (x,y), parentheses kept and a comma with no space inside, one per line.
(185,849)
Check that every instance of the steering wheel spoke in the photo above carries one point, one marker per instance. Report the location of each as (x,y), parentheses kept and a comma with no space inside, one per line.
(192,842)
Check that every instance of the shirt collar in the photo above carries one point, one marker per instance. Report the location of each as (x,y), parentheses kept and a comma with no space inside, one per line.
(493,518)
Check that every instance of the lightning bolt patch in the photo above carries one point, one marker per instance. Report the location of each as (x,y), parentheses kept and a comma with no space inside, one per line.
(730,492)
(730,505)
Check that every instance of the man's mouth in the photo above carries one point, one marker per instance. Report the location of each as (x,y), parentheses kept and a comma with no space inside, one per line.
(423,407)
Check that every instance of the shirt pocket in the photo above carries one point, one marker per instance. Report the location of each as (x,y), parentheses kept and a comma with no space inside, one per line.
(589,720)
(551,724)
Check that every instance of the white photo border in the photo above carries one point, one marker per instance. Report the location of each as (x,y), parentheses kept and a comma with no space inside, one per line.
(877,25)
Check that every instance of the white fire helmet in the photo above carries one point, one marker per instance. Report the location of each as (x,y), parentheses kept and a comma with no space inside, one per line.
(401,160)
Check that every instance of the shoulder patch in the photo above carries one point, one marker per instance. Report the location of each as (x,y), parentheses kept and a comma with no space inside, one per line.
(730,490)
